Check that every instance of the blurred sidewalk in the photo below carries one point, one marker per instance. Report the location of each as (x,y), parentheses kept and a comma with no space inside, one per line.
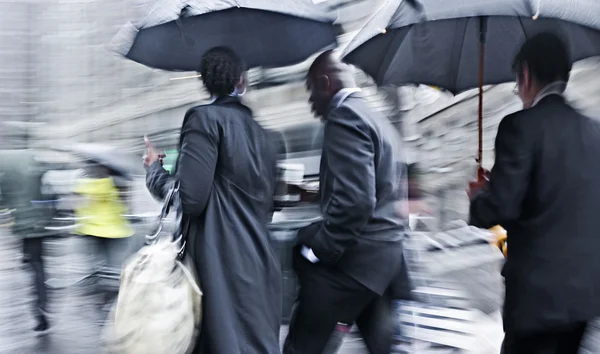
(73,310)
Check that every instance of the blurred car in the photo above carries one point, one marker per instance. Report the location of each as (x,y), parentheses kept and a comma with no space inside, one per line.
(303,146)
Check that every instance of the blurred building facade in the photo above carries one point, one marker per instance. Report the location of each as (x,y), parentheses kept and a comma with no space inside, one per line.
(59,85)
(17,72)
(61,76)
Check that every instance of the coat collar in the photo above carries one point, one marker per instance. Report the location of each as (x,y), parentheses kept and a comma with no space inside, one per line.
(550,98)
(341,96)
(226,100)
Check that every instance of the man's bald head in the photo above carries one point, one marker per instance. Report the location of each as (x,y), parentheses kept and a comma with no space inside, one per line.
(326,64)
(326,76)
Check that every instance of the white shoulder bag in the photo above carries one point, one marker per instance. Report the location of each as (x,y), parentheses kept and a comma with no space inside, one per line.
(158,310)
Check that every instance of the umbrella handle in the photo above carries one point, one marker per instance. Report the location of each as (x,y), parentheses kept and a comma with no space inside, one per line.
(483,175)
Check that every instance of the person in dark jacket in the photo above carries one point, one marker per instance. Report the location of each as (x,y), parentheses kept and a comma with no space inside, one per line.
(544,189)
(347,263)
(33,210)
(226,169)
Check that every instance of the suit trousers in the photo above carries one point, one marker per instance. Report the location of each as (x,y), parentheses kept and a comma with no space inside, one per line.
(563,341)
(327,297)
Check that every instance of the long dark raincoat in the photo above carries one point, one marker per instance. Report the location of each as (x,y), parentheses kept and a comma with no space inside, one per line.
(226,169)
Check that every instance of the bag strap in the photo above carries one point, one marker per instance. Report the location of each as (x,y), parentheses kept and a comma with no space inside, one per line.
(171,200)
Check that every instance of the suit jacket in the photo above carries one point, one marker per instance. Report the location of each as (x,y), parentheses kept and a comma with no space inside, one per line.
(544,190)
(362,188)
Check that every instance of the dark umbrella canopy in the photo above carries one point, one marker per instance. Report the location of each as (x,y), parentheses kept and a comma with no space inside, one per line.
(175,34)
(437,41)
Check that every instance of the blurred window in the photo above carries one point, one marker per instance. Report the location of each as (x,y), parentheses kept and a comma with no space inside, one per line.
(304,137)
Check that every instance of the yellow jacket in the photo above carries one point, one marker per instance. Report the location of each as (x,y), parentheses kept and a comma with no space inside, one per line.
(102,212)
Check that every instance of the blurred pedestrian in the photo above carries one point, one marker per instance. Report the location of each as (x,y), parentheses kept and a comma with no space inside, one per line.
(32,210)
(347,263)
(101,216)
(544,190)
(417,205)
(226,170)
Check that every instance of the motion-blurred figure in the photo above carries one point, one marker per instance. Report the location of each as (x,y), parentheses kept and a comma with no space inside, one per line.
(417,205)
(347,263)
(544,190)
(32,212)
(101,217)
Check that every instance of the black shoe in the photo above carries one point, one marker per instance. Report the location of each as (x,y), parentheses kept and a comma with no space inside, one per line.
(42,324)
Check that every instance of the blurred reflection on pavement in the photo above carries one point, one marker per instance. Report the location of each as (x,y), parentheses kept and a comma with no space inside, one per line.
(73,306)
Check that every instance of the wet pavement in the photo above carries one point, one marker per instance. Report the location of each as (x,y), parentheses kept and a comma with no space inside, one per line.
(74,312)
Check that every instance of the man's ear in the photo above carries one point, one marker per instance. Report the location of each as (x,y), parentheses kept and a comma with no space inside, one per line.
(323,83)
(526,77)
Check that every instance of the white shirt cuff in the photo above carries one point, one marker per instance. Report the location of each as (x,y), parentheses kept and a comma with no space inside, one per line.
(309,254)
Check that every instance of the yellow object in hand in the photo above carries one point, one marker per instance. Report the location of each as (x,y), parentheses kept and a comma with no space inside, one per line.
(501,238)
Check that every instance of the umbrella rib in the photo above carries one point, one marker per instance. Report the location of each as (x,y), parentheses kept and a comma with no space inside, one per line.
(522,26)
(381,72)
(462,45)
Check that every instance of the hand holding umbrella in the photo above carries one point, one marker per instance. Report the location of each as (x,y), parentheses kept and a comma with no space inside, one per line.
(483,178)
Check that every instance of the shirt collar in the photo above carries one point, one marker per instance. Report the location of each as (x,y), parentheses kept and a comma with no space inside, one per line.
(553,88)
(341,96)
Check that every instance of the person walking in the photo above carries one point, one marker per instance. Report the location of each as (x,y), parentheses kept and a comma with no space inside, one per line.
(226,171)
(544,189)
(100,215)
(33,210)
(347,264)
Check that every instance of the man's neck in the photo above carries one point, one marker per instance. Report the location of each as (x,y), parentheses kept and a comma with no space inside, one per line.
(553,88)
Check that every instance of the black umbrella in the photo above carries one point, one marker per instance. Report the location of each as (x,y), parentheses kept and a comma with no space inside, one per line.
(174,35)
(463,44)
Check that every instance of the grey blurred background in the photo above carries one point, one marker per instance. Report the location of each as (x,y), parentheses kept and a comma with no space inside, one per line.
(59,85)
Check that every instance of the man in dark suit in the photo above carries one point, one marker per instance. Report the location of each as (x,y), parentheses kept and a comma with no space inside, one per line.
(346,263)
(544,190)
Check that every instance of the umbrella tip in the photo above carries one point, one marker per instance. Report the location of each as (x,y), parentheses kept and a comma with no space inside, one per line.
(537,12)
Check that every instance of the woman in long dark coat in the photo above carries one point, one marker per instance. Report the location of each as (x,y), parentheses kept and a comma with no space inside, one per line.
(226,169)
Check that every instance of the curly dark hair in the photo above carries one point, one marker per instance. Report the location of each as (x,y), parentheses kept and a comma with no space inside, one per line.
(221,69)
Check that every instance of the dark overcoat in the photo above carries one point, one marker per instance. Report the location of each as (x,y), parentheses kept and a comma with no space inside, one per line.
(545,191)
(226,169)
